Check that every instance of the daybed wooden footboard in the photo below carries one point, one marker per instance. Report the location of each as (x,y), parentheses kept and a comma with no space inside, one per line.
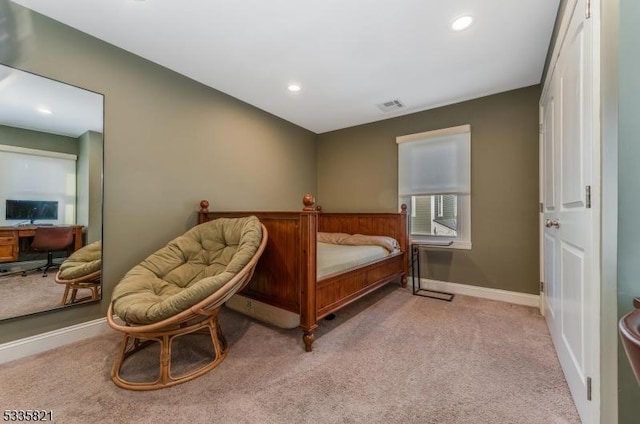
(285,276)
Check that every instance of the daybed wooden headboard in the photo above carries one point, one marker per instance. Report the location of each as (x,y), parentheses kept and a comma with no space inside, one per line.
(289,253)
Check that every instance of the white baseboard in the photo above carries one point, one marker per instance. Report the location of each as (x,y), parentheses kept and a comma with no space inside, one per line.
(46,341)
(525,299)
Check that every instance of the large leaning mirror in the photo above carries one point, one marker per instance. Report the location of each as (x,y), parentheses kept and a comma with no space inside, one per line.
(51,162)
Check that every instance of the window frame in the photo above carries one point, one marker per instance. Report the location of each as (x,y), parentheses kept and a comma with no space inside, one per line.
(463,238)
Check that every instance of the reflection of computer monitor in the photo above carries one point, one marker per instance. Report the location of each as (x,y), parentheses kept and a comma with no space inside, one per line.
(31,210)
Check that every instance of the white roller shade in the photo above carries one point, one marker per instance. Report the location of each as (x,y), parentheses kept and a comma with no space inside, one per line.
(29,174)
(435,162)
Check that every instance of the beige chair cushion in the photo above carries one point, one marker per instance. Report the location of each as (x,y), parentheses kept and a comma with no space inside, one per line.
(82,262)
(187,270)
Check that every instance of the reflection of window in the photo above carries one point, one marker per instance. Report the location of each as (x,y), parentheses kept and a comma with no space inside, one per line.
(434,179)
(30,174)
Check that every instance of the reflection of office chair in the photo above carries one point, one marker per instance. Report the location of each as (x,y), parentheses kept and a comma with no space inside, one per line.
(51,239)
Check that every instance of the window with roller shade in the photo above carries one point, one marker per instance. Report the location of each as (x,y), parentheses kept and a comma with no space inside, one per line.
(38,175)
(434,180)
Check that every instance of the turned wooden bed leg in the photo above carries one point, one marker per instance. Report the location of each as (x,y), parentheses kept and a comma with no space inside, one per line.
(308,338)
(403,281)
(307,260)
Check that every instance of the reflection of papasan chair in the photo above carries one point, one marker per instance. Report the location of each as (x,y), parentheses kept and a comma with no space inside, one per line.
(179,291)
(629,329)
(81,271)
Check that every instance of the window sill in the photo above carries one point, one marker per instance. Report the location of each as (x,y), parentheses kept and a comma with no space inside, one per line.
(442,244)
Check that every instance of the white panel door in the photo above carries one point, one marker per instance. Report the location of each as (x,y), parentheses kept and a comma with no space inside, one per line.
(568,233)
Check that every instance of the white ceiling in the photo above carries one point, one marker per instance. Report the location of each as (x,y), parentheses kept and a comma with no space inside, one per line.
(24,98)
(348,55)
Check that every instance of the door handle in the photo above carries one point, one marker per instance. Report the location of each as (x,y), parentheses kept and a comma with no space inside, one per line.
(551,223)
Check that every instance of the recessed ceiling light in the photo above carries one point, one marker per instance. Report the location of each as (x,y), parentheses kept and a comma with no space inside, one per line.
(44,110)
(463,22)
(294,87)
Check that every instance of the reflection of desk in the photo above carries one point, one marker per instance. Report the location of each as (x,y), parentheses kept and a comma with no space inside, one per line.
(10,240)
(415,270)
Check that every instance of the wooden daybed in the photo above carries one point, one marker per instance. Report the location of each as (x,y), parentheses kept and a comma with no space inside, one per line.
(285,276)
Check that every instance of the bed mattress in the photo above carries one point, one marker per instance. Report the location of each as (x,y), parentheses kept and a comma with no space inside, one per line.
(336,258)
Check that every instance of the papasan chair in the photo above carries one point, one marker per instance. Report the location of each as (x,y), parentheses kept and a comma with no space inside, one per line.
(179,290)
(81,271)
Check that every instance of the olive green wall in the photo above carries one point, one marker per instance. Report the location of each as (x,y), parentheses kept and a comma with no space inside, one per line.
(628,193)
(357,170)
(168,143)
(12,136)
(89,185)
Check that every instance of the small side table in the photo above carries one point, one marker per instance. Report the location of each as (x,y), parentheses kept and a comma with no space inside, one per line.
(415,271)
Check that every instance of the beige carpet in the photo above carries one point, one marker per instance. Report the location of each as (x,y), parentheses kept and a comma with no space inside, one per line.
(389,358)
(29,294)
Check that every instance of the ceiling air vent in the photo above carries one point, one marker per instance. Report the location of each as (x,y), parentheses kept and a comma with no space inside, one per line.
(391,105)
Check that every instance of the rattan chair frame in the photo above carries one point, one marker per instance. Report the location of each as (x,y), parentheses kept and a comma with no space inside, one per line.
(200,318)
(86,282)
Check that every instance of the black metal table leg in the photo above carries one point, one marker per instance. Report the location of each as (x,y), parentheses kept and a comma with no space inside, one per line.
(415,272)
